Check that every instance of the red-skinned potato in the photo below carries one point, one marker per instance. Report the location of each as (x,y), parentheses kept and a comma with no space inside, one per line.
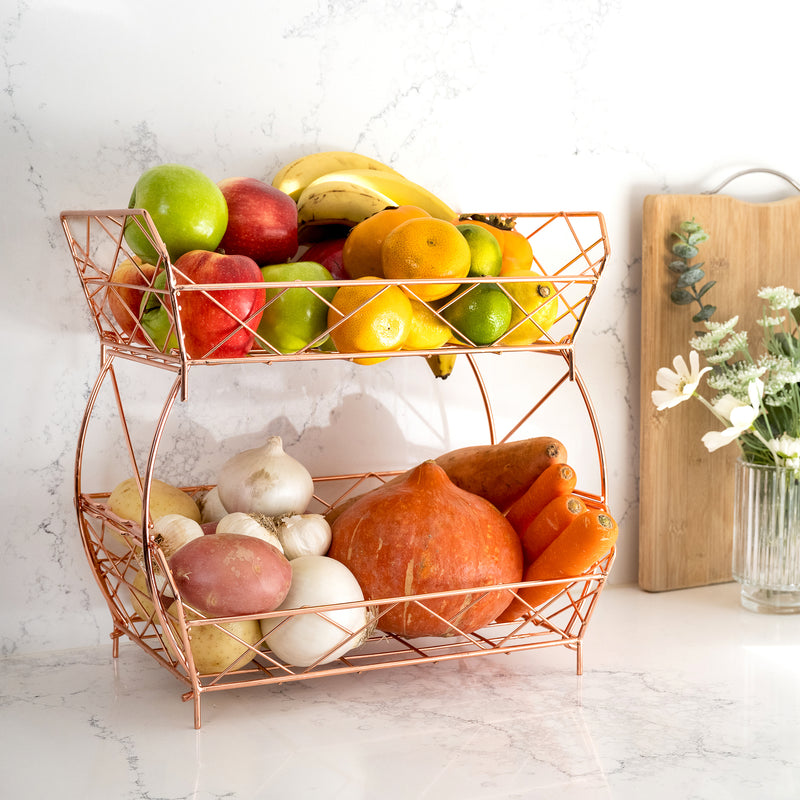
(229,574)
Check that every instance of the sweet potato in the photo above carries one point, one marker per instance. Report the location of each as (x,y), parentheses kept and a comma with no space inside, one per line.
(500,473)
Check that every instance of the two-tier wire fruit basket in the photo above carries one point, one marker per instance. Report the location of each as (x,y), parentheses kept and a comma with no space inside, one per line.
(570,252)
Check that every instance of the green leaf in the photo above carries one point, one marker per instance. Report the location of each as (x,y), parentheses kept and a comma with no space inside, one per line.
(704,314)
(705,288)
(698,238)
(678,266)
(690,277)
(683,250)
(690,226)
(681,297)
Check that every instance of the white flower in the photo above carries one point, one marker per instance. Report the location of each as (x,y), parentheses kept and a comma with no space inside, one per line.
(770,322)
(740,415)
(787,449)
(779,297)
(679,385)
(717,331)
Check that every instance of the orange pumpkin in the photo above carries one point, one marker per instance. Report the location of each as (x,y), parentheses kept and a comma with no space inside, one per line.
(423,534)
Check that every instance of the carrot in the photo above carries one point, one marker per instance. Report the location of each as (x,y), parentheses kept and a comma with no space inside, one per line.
(555,480)
(578,547)
(549,523)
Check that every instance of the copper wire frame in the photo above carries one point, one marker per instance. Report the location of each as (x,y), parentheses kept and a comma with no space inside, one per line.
(119,550)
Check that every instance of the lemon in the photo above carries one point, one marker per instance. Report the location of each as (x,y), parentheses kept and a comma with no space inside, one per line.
(481,314)
(537,310)
(369,318)
(427,332)
(486,254)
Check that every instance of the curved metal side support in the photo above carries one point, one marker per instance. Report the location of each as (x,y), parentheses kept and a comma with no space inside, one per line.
(148,475)
(116,617)
(181,650)
(601,457)
(487,404)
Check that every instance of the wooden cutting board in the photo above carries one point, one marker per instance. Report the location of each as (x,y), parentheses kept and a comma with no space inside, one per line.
(686,493)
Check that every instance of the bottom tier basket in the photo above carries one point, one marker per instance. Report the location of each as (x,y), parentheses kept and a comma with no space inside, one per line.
(113,547)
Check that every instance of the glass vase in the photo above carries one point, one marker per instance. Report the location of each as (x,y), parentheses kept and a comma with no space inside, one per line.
(766,537)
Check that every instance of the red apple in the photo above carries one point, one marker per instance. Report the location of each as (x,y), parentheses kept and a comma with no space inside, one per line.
(328,252)
(124,301)
(262,221)
(205,323)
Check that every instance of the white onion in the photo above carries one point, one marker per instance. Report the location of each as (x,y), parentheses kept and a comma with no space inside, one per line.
(306,639)
(211,508)
(265,480)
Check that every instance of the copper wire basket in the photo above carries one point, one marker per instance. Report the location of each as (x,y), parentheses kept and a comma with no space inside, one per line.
(570,251)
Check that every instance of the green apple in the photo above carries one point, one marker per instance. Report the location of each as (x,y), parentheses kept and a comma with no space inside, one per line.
(187,207)
(155,320)
(295,317)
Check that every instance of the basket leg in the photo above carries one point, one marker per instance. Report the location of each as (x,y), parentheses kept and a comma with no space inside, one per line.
(196,700)
(579,657)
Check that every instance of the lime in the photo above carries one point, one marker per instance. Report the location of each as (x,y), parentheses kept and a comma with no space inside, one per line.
(486,253)
(481,313)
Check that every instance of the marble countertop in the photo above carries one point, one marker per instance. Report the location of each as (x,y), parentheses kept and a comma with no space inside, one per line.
(684,695)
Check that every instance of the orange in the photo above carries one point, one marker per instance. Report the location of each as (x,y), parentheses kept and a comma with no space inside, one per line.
(517,251)
(540,304)
(361,253)
(426,248)
(371,318)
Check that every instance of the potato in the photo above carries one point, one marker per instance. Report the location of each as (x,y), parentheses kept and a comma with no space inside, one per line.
(213,650)
(230,574)
(140,594)
(126,502)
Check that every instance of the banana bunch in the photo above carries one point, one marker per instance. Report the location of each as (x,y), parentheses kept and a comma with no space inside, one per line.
(343,188)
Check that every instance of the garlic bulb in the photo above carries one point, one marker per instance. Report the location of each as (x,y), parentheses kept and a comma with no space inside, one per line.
(250,525)
(211,508)
(172,531)
(304,535)
(265,480)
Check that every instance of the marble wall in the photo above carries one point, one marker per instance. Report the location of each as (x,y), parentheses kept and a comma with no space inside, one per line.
(515,105)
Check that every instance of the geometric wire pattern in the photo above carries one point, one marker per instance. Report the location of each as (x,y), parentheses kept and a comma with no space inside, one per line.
(570,250)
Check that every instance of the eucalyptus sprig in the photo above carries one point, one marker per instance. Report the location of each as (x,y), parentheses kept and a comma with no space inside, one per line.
(689,275)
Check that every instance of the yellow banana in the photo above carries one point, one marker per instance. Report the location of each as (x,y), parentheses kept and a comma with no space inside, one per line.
(295,176)
(400,190)
(441,364)
(332,202)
